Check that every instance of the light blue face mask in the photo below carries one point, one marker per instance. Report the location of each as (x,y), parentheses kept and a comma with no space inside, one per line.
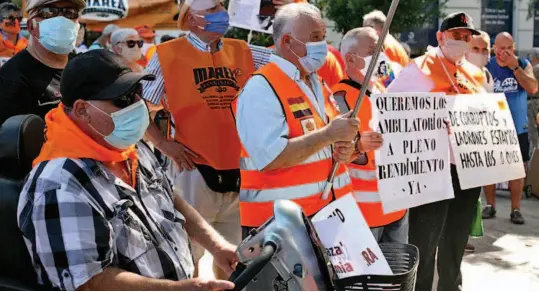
(58,34)
(316,55)
(130,124)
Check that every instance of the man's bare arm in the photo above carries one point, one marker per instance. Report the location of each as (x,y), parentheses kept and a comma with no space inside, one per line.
(298,149)
(180,154)
(113,279)
(526,79)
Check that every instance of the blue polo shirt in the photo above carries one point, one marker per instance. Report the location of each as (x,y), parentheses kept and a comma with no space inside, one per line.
(506,82)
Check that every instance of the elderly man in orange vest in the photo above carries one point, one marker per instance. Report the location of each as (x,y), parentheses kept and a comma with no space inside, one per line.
(357,47)
(286,134)
(442,228)
(11,42)
(201,74)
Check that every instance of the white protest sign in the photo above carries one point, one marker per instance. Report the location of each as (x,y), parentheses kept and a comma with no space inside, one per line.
(257,15)
(413,164)
(349,242)
(484,140)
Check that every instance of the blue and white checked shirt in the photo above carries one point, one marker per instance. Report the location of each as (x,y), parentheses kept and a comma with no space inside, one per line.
(154,91)
(77,219)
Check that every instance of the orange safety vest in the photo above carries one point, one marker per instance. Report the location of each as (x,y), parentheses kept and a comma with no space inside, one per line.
(200,87)
(395,52)
(8,49)
(363,176)
(466,77)
(303,183)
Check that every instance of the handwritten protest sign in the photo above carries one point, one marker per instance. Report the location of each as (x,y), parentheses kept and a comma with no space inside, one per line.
(349,242)
(257,15)
(413,164)
(484,140)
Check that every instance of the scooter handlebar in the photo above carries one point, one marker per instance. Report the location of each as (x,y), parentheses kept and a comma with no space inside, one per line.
(245,274)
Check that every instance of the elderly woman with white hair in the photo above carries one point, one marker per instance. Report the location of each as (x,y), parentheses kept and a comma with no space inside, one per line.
(127,43)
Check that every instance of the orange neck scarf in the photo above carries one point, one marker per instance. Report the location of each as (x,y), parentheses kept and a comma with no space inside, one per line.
(63,139)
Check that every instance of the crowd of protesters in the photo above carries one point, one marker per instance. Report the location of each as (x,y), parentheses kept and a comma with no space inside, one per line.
(156,153)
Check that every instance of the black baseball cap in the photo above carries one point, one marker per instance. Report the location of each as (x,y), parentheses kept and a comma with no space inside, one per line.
(458,20)
(98,75)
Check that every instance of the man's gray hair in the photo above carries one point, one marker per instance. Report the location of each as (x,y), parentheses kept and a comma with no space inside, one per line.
(351,38)
(120,35)
(485,36)
(286,17)
(534,53)
(375,19)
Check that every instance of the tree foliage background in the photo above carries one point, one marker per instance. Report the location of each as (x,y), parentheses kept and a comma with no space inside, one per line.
(411,14)
(348,14)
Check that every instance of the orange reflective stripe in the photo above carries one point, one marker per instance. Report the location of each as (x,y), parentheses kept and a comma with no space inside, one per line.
(292,176)
(375,217)
(254,214)
(364,185)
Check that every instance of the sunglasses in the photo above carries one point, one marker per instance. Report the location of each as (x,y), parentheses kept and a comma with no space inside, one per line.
(131,44)
(129,98)
(50,12)
(13,18)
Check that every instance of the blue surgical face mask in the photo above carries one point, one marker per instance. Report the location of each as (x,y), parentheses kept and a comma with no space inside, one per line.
(316,55)
(58,34)
(130,124)
(217,22)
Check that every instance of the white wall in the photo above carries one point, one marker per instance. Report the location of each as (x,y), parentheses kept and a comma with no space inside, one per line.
(332,36)
(472,7)
(522,26)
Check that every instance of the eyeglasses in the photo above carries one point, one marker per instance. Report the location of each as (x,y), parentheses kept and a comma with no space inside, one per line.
(130,98)
(12,18)
(131,43)
(50,12)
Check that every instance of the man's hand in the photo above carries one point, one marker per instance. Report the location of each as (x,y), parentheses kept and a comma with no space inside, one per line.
(343,128)
(370,141)
(279,3)
(198,284)
(448,127)
(225,257)
(343,151)
(509,58)
(537,119)
(181,155)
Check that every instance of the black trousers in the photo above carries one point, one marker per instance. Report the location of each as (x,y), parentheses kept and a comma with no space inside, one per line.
(444,227)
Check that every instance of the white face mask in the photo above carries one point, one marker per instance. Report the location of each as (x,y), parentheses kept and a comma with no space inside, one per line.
(479,60)
(130,55)
(456,49)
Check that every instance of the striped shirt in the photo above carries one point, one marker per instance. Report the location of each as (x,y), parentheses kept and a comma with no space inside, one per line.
(77,219)
(154,91)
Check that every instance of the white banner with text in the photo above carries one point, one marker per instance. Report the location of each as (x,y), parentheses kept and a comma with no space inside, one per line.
(484,140)
(413,166)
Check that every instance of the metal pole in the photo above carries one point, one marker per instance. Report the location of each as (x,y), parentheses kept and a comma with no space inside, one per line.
(370,70)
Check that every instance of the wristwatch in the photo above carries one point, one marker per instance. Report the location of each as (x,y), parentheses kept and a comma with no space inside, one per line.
(516,68)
